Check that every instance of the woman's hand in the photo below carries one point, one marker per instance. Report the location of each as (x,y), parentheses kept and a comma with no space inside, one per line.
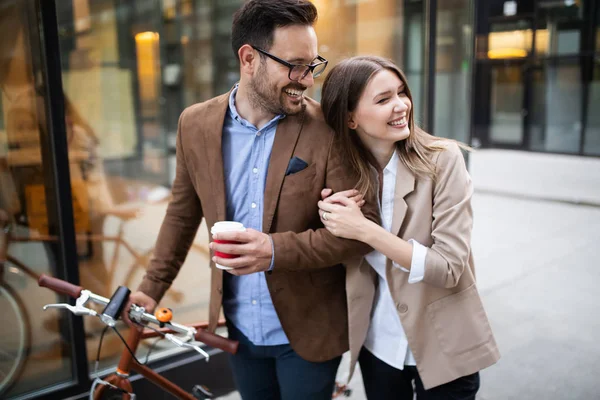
(342,216)
(351,194)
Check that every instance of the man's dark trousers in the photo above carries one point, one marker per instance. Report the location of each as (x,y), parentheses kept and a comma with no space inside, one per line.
(278,373)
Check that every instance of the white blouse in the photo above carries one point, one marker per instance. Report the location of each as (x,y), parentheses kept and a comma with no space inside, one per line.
(386,339)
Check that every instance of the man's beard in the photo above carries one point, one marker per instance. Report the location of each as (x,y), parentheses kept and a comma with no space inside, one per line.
(270,98)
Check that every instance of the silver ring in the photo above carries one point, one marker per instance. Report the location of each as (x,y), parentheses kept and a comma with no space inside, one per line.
(324,216)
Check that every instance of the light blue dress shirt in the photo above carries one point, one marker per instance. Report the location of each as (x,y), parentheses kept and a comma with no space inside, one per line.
(246,152)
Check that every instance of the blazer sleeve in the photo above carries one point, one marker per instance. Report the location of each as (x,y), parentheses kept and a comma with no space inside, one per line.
(178,229)
(452,224)
(319,248)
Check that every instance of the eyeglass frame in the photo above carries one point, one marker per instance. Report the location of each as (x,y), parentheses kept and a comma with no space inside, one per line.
(311,67)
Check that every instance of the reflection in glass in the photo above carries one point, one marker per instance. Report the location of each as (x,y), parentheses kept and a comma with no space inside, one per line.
(118,126)
(35,347)
(506,103)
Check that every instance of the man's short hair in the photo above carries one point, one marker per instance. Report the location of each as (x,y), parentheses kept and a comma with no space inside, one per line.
(255,22)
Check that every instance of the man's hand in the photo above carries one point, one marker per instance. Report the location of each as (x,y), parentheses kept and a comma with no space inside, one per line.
(254,250)
(142,300)
(352,194)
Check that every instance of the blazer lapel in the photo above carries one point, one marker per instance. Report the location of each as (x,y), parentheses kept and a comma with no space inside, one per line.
(405,184)
(286,137)
(213,139)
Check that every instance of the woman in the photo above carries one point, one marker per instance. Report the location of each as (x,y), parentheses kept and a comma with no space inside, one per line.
(414,310)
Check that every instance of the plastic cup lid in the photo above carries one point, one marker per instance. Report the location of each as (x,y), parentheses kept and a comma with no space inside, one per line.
(227,226)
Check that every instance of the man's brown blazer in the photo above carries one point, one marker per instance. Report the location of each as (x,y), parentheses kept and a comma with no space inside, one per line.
(307,281)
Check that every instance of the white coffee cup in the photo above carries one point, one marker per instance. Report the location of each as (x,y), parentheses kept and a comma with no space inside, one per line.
(226,226)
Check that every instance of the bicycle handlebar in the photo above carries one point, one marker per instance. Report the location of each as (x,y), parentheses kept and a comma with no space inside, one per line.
(135,313)
(60,286)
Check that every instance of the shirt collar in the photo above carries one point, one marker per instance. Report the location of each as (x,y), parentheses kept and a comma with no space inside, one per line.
(392,165)
(233,113)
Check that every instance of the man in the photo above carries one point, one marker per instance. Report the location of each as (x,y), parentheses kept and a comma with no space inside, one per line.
(260,155)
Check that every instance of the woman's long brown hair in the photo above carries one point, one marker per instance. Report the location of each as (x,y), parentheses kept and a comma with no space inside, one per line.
(342,90)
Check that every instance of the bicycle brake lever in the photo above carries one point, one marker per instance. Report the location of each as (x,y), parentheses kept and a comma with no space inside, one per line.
(77,310)
(174,339)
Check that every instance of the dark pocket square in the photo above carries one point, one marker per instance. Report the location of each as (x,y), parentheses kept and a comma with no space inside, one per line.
(296,165)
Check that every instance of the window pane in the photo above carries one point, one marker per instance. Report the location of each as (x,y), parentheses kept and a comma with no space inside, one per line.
(559,26)
(597,25)
(413,59)
(452,76)
(592,132)
(34,345)
(506,105)
(557,96)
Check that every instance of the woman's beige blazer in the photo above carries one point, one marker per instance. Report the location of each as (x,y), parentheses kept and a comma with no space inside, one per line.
(443,317)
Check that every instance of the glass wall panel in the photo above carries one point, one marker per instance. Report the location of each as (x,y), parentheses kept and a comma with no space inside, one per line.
(557,98)
(592,131)
(597,28)
(506,104)
(414,57)
(559,28)
(537,110)
(452,74)
(35,350)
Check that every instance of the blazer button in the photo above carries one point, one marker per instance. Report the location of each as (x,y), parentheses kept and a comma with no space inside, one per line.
(220,290)
(402,308)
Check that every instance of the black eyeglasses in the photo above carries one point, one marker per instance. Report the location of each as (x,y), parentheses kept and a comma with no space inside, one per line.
(298,71)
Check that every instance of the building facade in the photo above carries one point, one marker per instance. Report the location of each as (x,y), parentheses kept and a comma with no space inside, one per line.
(91,92)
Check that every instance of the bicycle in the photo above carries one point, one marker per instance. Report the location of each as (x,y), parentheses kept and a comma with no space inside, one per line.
(193,336)
(14,354)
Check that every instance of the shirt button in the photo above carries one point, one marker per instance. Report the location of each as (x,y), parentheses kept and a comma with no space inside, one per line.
(253,302)
(253,205)
(258,133)
(402,308)
(255,170)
